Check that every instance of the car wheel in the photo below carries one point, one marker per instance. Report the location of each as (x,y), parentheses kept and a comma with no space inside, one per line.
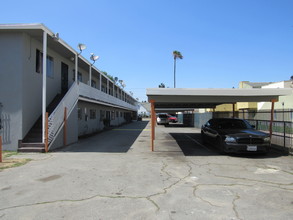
(221,146)
(203,138)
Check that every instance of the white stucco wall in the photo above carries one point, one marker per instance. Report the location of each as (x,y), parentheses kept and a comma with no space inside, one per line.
(287,100)
(90,126)
(11,64)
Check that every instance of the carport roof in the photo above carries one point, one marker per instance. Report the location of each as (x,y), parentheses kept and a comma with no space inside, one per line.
(210,98)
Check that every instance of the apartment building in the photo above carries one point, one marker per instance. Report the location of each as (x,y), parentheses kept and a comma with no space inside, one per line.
(39,73)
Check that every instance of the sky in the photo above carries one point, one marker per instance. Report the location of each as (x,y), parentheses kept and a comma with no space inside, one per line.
(222,42)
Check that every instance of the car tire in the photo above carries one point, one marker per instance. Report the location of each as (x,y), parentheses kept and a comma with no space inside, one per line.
(203,138)
(220,145)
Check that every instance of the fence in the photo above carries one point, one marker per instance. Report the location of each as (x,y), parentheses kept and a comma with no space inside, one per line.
(282,125)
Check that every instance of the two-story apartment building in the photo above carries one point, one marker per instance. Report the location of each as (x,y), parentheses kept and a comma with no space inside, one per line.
(39,73)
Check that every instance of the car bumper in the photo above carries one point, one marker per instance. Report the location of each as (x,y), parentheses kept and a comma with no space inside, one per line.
(246,148)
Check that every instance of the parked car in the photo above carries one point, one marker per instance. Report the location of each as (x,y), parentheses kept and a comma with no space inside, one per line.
(139,118)
(172,118)
(162,119)
(233,135)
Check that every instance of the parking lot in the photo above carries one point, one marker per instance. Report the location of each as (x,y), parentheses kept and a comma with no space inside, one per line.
(114,175)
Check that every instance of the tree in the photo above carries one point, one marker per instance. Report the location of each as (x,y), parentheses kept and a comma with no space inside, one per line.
(291,78)
(162,85)
(176,55)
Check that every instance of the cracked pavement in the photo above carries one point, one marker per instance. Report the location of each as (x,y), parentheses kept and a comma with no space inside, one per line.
(113,175)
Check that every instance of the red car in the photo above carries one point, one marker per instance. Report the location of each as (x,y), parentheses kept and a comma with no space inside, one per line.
(172,118)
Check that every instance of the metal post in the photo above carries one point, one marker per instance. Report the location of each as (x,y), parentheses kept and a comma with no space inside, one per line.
(100,82)
(108,87)
(284,134)
(76,68)
(272,117)
(233,106)
(0,149)
(153,116)
(47,133)
(90,77)
(44,85)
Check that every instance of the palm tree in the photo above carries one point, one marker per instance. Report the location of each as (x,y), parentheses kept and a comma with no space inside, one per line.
(176,55)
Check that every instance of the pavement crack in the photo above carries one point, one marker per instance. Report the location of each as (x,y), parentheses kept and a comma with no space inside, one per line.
(252,180)
(165,190)
(81,200)
(236,197)
(204,200)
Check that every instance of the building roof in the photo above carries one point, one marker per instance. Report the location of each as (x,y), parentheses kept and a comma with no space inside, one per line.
(210,98)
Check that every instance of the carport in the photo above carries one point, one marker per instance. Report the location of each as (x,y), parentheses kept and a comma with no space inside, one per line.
(164,99)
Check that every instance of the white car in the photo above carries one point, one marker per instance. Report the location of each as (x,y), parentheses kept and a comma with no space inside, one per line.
(162,119)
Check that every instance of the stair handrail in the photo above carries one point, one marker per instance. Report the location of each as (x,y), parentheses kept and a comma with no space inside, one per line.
(56,118)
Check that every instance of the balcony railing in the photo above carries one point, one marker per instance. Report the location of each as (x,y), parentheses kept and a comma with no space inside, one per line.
(98,95)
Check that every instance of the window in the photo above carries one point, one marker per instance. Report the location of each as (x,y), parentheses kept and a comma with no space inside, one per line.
(112,115)
(79,113)
(92,113)
(39,64)
(94,84)
(117,114)
(79,77)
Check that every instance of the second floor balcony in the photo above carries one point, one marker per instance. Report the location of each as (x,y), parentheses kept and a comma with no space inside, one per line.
(95,94)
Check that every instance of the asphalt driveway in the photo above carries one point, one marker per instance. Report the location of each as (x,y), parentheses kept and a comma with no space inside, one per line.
(113,175)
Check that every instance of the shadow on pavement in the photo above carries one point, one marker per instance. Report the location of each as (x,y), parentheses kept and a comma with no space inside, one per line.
(191,145)
(116,140)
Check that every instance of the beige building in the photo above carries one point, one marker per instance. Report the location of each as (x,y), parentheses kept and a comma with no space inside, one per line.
(284,103)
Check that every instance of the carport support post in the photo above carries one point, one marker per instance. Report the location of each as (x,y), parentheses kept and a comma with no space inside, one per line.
(272,116)
(153,121)
(233,106)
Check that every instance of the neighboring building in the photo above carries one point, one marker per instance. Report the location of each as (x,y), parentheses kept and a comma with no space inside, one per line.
(92,103)
(144,109)
(285,102)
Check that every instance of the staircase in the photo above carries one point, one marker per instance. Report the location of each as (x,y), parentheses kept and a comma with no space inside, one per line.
(33,140)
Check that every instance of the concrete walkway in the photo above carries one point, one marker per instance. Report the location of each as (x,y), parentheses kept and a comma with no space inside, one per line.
(113,175)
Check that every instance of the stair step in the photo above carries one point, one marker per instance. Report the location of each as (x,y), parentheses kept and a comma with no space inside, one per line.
(32,147)
(33,139)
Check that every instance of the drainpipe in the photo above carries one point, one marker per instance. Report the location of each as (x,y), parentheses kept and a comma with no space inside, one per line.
(44,85)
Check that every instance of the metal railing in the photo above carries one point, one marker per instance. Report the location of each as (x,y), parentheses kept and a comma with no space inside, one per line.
(93,93)
(56,118)
(282,131)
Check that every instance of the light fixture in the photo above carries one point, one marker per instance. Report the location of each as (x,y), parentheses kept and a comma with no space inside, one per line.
(55,36)
(81,47)
(94,58)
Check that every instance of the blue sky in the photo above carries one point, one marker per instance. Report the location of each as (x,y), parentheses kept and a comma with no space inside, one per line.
(223,42)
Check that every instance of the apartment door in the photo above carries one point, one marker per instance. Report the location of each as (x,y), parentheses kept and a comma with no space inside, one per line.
(64,78)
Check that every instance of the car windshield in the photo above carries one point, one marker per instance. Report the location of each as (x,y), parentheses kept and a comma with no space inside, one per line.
(232,124)
(163,116)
